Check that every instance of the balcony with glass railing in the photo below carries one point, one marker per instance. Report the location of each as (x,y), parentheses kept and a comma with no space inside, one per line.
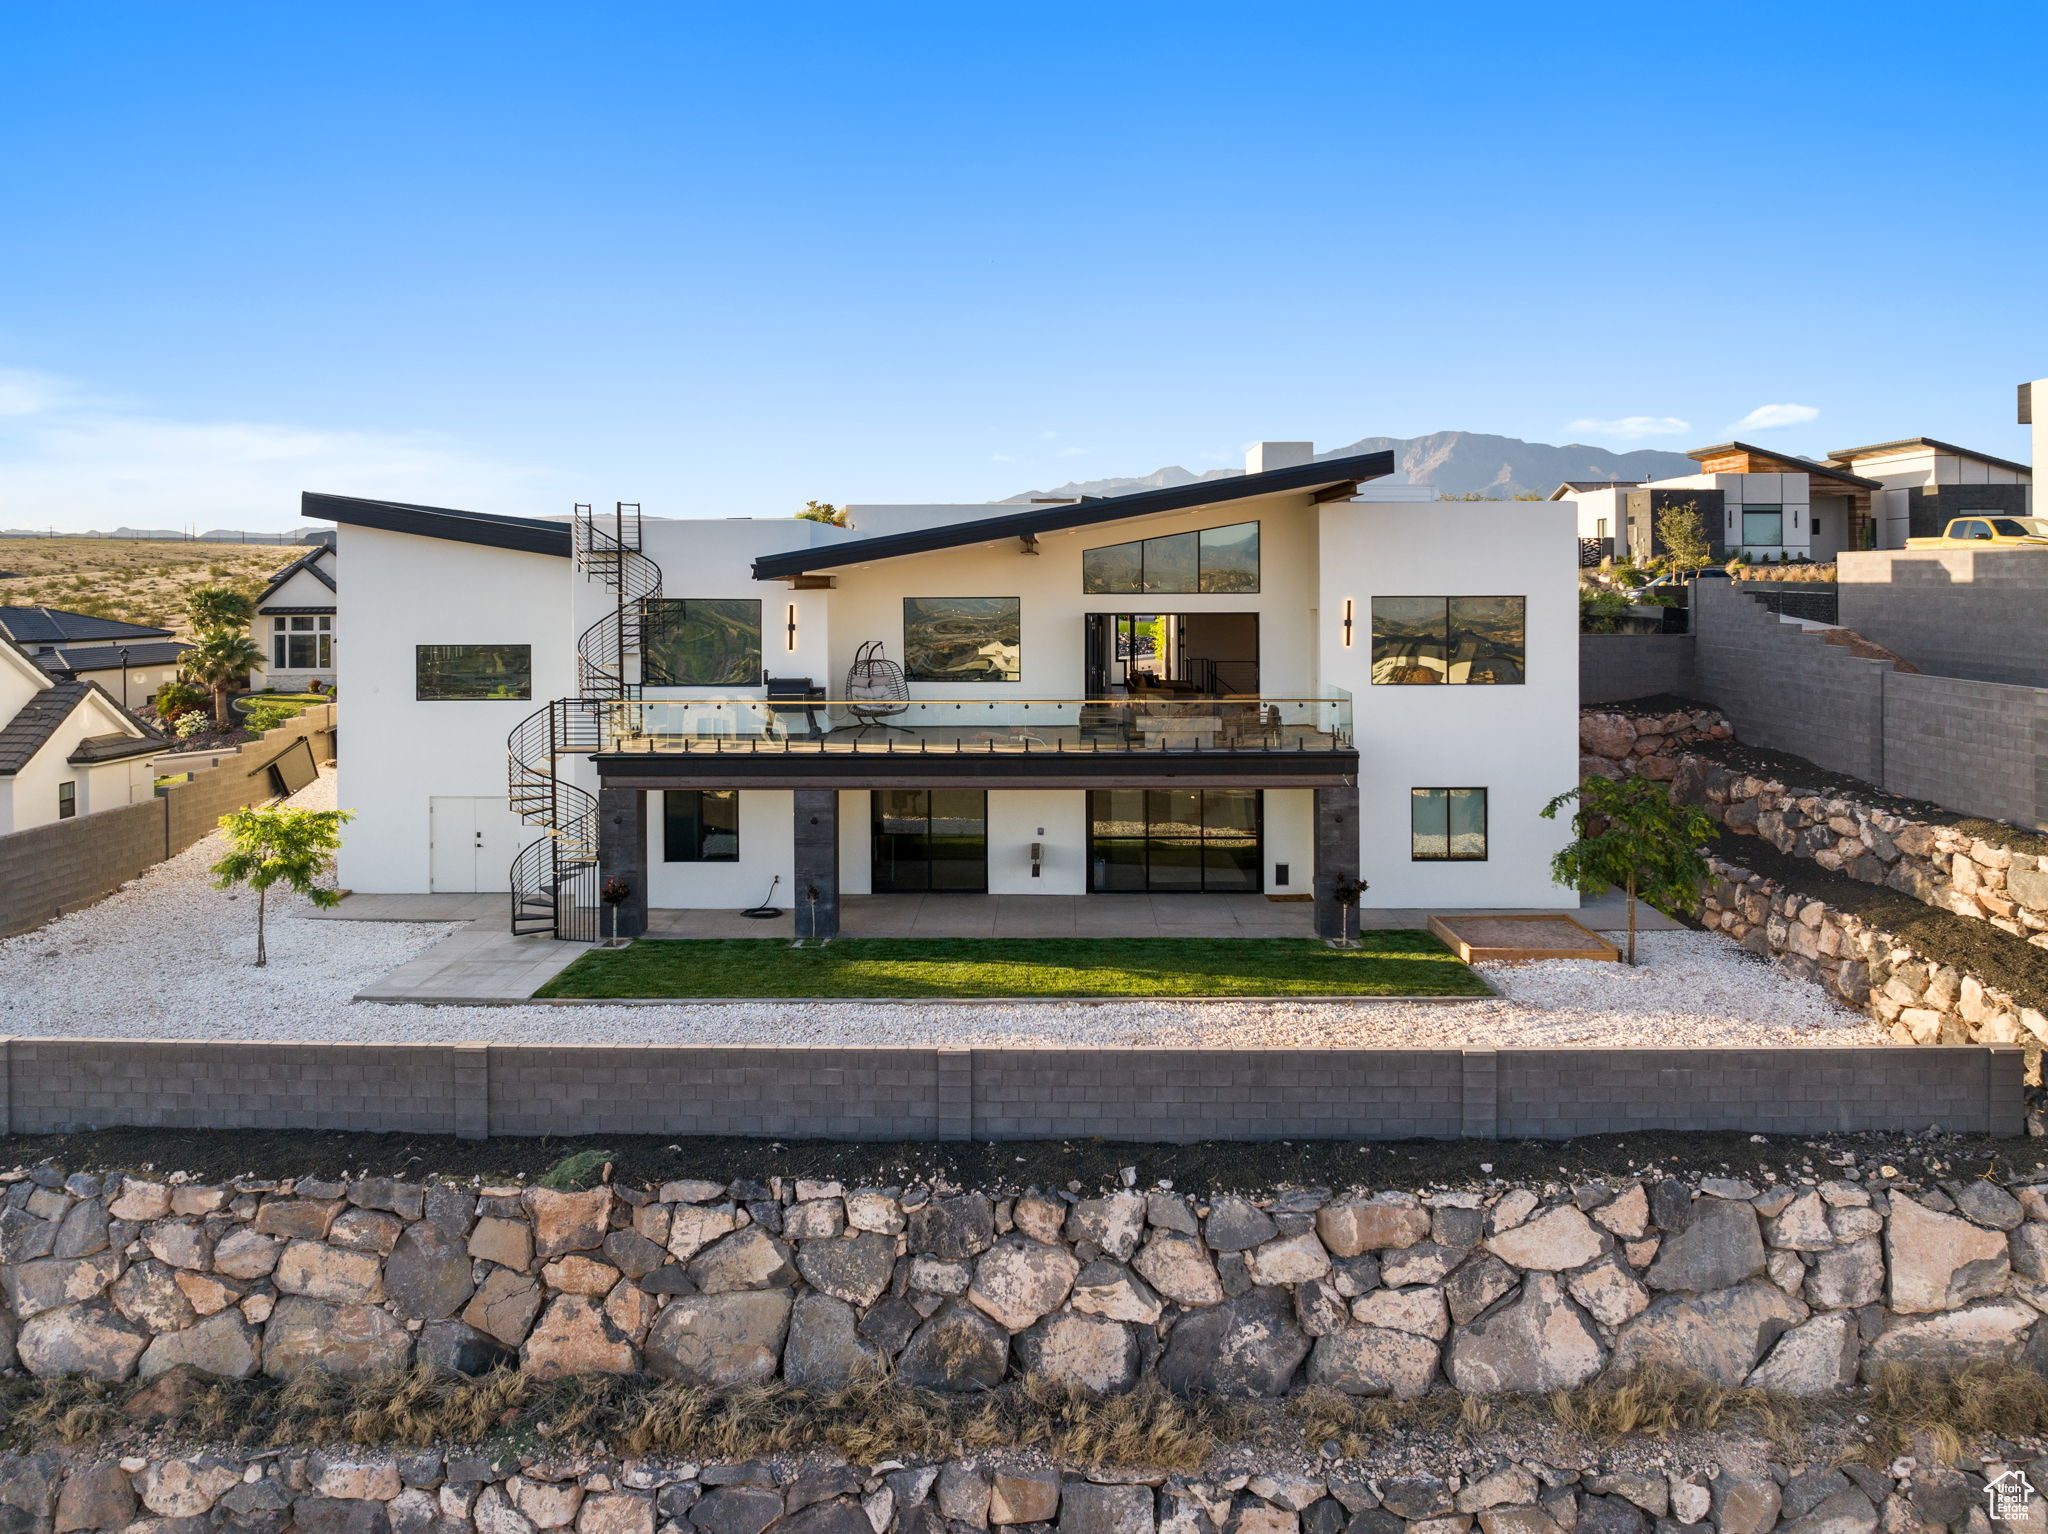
(961,726)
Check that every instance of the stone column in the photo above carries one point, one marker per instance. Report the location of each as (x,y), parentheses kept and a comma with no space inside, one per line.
(622,854)
(816,897)
(1336,854)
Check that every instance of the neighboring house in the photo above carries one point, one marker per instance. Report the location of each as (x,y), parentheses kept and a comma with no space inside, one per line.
(1926,483)
(1207,689)
(1772,506)
(294,624)
(66,747)
(80,646)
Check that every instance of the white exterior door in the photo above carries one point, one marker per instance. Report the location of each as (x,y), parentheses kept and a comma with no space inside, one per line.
(473,844)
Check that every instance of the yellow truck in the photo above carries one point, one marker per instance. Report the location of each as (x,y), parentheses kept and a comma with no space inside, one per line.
(1987,531)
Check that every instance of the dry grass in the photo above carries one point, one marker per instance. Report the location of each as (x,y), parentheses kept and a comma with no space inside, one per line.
(879,1417)
(134,582)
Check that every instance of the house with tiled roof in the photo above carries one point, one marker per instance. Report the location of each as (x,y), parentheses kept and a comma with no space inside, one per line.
(294,624)
(67,747)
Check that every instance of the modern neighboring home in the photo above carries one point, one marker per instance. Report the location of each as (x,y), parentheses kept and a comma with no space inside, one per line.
(1281,684)
(1925,484)
(66,747)
(294,624)
(129,660)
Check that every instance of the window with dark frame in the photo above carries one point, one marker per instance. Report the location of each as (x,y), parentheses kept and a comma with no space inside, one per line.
(302,642)
(1478,641)
(700,825)
(1763,527)
(67,800)
(1447,825)
(454,672)
(1211,559)
(701,642)
(963,639)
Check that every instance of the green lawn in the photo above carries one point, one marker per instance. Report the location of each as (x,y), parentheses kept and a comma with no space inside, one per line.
(1388,964)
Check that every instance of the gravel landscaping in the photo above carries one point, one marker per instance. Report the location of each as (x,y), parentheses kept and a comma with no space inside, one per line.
(168,956)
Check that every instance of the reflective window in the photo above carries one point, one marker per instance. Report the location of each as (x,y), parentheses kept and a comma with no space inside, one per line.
(962,639)
(490,671)
(302,642)
(67,799)
(1171,840)
(1214,559)
(700,825)
(1475,640)
(701,642)
(1763,527)
(1447,825)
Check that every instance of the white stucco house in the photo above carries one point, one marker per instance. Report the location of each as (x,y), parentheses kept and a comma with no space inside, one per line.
(1777,506)
(294,624)
(1278,683)
(66,747)
(129,660)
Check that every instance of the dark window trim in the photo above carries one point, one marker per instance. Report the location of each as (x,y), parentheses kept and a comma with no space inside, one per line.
(67,802)
(911,675)
(760,639)
(697,854)
(1143,590)
(1372,632)
(1485,821)
(418,654)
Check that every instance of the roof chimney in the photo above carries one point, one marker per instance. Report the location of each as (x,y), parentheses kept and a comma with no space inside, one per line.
(1261,456)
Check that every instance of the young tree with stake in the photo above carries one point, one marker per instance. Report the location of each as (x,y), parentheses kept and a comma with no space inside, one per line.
(274,845)
(1631,834)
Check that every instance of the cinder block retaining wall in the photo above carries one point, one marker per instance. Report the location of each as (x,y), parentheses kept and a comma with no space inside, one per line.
(48,870)
(476,1090)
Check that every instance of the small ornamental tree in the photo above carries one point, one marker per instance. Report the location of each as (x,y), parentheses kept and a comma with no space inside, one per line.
(1633,835)
(221,658)
(274,845)
(1683,532)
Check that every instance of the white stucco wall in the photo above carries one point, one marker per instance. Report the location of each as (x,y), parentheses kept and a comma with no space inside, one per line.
(1520,743)
(29,797)
(767,848)
(405,591)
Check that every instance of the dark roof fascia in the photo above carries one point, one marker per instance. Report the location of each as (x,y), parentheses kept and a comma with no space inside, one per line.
(95,749)
(1023,769)
(47,631)
(282,612)
(1795,465)
(1939,446)
(309,562)
(1084,513)
(107,657)
(528,535)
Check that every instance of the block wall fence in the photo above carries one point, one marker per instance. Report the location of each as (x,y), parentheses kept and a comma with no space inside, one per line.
(479,1090)
(48,870)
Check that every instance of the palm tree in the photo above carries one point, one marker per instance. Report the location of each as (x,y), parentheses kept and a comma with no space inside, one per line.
(219,607)
(222,658)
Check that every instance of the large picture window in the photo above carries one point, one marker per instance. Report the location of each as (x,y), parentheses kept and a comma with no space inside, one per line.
(700,825)
(1447,825)
(1763,527)
(701,642)
(302,642)
(1215,559)
(1480,640)
(963,639)
(493,671)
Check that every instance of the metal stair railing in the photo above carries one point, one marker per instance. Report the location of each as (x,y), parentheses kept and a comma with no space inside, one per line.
(554,879)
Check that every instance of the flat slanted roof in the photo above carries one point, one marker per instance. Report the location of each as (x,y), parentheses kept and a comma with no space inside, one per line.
(1793,464)
(1851,454)
(1086,512)
(53,625)
(529,535)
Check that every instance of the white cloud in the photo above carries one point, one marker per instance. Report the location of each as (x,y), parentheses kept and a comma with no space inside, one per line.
(999,458)
(1633,426)
(1764,417)
(1071,452)
(74,464)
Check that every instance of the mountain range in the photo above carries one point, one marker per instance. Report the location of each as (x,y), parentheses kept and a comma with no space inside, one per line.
(1454,462)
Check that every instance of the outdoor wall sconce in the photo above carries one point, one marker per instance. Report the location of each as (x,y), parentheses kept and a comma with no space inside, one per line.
(1347,623)
(1037,859)
(792,626)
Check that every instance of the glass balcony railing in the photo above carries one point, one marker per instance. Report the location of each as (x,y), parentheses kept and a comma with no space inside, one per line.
(979,725)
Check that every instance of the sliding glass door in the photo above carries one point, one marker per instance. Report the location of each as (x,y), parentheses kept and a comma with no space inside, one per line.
(930,839)
(1175,841)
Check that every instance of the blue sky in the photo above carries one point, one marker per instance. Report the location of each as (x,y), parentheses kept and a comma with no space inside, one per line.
(722,259)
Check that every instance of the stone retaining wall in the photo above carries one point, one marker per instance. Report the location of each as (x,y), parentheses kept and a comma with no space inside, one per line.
(1924,1001)
(1987,873)
(1802,1287)
(1496,1491)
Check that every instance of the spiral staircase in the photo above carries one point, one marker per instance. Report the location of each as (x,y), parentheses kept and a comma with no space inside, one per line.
(555,879)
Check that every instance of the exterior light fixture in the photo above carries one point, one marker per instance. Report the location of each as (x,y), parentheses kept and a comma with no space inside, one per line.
(1347,623)
(792,626)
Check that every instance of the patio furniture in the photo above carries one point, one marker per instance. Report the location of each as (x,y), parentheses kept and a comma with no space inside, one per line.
(797,692)
(876,689)
(1168,732)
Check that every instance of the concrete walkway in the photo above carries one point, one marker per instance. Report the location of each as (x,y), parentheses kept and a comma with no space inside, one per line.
(483,964)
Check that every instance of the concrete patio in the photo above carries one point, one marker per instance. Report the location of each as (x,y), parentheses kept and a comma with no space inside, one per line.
(483,964)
